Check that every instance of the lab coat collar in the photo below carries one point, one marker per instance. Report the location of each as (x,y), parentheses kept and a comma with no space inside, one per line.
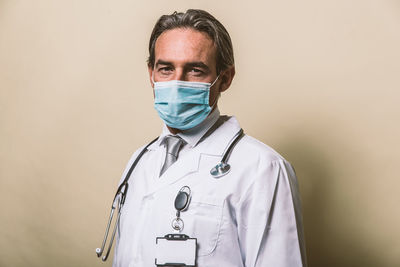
(208,151)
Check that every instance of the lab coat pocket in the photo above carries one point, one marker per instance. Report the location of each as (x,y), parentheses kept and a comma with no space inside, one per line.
(203,221)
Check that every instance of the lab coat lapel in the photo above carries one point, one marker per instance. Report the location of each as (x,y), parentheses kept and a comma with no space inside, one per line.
(219,140)
(182,167)
(210,149)
(179,170)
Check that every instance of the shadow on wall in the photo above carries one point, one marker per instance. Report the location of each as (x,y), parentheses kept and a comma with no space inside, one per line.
(326,223)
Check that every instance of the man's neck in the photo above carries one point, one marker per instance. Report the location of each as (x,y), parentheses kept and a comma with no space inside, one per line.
(174,130)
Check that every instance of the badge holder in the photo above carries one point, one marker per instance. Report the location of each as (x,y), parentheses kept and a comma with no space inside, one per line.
(177,249)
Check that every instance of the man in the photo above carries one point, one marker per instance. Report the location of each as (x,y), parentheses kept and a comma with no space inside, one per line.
(249,216)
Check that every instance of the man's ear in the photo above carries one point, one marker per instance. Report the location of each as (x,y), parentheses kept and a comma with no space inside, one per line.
(226,78)
(150,70)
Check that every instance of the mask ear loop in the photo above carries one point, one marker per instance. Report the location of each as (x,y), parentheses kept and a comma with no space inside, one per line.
(216,79)
(219,93)
(152,78)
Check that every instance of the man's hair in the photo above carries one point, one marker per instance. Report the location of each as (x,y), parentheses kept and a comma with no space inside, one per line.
(201,21)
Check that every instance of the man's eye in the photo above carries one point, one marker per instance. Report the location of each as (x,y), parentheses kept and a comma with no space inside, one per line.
(196,71)
(165,70)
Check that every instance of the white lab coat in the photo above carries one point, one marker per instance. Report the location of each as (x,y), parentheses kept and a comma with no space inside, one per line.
(249,217)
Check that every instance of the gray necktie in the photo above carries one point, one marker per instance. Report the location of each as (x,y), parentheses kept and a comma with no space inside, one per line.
(173,144)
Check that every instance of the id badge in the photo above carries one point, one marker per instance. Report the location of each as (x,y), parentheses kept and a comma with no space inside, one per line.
(176,250)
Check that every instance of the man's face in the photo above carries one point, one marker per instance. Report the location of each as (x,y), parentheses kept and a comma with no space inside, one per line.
(186,55)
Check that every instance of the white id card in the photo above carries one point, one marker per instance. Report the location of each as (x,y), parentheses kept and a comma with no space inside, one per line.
(176,250)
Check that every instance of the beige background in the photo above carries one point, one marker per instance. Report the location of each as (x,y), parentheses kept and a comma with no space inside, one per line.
(317,80)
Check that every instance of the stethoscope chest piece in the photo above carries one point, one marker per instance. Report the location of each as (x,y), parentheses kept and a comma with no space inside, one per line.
(220,170)
(223,168)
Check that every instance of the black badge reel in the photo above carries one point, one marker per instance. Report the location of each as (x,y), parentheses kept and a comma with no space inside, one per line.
(177,249)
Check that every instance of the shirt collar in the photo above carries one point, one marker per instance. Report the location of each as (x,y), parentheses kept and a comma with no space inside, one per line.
(192,136)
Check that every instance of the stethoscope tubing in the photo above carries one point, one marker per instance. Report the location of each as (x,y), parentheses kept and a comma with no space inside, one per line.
(122,190)
(232,145)
(120,195)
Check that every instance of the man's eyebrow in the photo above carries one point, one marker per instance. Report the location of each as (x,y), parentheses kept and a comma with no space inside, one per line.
(197,64)
(162,62)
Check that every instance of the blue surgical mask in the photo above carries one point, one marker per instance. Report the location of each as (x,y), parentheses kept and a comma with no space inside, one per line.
(181,104)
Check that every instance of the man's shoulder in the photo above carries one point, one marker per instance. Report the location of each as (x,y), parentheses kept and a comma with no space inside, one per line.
(254,149)
(148,146)
(249,148)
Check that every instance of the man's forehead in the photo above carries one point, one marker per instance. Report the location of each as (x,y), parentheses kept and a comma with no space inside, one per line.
(185,45)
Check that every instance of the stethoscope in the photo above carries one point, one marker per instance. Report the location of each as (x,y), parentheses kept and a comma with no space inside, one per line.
(221,169)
